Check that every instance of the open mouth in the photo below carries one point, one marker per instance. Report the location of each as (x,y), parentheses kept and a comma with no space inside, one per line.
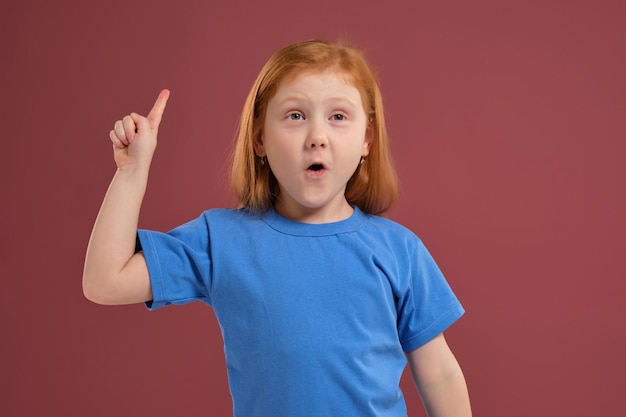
(316,170)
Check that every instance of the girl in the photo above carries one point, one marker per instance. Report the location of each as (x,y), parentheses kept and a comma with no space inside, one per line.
(321,302)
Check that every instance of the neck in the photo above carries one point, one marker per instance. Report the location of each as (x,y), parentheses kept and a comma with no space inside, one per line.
(314,215)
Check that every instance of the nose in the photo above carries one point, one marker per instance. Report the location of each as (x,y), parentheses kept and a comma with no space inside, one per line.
(317,135)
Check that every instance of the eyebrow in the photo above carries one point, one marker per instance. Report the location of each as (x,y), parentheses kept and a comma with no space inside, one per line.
(297,98)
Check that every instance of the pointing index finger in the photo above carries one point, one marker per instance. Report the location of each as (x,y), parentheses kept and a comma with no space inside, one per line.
(154,117)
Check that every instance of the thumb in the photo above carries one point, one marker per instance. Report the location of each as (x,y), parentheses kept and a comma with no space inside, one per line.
(154,117)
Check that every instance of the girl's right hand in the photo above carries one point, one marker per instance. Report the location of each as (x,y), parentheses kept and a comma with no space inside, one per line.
(135,137)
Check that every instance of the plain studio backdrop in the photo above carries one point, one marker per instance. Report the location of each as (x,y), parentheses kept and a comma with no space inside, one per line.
(507,121)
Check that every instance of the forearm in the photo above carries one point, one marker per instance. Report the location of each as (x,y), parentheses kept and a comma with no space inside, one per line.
(447,397)
(439,380)
(113,238)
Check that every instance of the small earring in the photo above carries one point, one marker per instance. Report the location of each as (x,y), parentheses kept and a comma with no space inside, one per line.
(262,160)
(362,160)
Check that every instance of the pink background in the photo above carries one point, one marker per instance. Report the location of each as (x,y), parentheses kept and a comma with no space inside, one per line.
(508,129)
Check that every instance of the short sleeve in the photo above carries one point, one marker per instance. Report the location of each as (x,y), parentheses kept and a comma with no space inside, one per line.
(178,262)
(428,305)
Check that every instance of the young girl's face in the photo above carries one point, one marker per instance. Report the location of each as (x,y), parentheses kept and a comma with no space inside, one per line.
(314,136)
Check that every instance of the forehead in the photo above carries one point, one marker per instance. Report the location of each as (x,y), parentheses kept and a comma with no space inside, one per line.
(330,82)
(335,72)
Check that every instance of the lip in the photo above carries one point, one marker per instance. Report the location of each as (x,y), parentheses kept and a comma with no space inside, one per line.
(316,174)
(316,169)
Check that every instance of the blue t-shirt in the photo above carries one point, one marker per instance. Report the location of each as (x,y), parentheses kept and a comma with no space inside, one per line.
(315,318)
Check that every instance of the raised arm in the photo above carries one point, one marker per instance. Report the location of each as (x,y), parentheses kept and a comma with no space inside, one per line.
(439,380)
(113,273)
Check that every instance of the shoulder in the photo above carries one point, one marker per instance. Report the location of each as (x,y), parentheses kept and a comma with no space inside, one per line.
(212,219)
(391,241)
(227,221)
(228,215)
(385,223)
(390,231)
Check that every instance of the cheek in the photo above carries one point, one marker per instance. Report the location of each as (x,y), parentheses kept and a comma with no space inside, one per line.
(280,153)
(273,143)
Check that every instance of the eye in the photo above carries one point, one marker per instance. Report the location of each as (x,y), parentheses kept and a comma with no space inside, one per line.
(338,117)
(295,116)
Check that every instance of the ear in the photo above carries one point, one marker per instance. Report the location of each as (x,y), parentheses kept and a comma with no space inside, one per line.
(259,149)
(369,137)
